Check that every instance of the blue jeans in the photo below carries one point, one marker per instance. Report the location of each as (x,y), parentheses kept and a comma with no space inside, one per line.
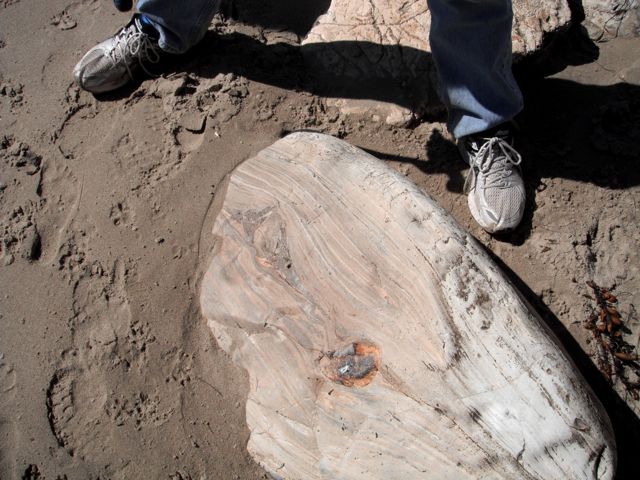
(182,23)
(471,47)
(470,43)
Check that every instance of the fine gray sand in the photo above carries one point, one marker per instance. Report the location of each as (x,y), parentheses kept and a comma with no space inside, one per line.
(107,368)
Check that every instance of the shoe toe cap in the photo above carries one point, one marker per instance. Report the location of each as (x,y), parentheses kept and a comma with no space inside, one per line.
(97,74)
(500,211)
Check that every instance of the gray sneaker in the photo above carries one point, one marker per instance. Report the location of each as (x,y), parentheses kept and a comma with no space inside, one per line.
(494,185)
(113,63)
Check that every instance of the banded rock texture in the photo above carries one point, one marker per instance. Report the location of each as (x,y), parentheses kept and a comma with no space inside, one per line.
(383,45)
(380,339)
(606,19)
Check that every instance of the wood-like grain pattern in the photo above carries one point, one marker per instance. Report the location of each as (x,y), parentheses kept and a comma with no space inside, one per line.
(380,340)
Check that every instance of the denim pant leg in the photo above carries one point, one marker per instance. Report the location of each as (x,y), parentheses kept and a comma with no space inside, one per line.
(182,23)
(471,47)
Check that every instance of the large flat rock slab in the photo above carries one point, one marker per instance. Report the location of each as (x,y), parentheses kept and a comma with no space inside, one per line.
(380,339)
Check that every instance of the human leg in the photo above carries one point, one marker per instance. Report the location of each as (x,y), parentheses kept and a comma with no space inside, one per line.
(181,24)
(471,47)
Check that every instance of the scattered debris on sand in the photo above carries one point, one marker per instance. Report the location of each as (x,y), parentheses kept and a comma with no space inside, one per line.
(616,359)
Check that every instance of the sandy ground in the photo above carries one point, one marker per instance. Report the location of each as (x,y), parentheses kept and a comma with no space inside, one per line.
(107,369)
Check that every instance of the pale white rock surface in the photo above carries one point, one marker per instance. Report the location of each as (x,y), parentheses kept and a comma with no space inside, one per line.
(406,23)
(380,340)
(606,19)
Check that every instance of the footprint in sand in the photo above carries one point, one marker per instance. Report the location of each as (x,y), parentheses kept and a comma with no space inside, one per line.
(7,426)
(89,399)
(60,406)
(122,216)
(189,134)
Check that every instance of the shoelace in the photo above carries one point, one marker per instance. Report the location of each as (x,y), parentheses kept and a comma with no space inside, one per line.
(495,159)
(133,43)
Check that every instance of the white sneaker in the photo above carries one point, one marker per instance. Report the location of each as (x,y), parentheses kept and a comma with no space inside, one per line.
(111,64)
(495,189)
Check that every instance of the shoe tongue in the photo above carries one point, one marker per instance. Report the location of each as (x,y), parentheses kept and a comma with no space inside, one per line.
(146,27)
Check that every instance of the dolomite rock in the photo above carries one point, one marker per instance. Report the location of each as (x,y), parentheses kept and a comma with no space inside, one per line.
(606,19)
(382,45)
(381,341)
(406,23)
(533,20)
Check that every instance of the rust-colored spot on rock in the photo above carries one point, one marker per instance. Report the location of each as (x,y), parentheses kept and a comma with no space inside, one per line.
(352,366)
